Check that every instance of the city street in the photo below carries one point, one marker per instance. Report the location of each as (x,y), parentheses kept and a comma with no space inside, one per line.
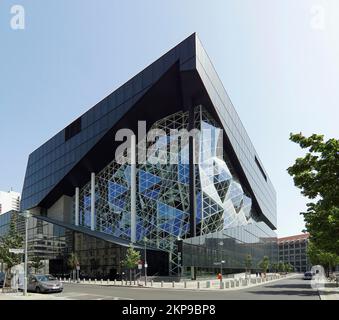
(294,288)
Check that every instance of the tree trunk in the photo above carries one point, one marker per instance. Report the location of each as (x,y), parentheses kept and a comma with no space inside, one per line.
(8,279)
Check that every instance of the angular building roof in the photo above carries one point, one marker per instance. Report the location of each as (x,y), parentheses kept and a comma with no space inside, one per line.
(183,75)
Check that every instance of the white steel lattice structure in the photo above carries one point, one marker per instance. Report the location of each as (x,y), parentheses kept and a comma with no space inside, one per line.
(163,189)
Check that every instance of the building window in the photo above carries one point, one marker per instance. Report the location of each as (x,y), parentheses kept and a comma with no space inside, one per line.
(260,168)
(73,129)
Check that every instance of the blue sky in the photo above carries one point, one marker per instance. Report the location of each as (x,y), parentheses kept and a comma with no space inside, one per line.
(278,60)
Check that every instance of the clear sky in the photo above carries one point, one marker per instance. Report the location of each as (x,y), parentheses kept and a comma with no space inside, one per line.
(278,60)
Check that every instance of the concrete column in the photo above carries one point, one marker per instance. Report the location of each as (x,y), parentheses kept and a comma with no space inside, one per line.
(92,201)
(133,189)
(77,192)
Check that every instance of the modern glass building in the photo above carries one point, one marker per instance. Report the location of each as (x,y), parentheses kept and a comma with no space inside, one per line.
(200,198)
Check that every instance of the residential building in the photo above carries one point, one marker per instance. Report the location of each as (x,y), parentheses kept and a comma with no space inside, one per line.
(9,200)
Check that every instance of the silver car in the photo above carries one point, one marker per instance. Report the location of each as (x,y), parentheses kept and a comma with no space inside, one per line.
(44,283)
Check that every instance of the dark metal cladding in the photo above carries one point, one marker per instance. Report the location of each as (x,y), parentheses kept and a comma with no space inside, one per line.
(87,145)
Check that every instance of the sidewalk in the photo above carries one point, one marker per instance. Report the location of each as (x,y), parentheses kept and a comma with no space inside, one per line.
(30,296)
(209,285)
(329,293)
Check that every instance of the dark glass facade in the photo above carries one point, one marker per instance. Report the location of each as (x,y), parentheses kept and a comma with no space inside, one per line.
(53,244)
(236,205)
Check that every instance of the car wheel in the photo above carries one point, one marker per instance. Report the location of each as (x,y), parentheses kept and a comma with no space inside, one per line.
(37,290)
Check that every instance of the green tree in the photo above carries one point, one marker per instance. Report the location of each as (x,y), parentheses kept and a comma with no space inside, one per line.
(131,260)
(248,263)
(320,257)
(12,240)
(264,264)
(72,262)
(37,264)
(281,267)
(274,267)
(288,267)
(317,175)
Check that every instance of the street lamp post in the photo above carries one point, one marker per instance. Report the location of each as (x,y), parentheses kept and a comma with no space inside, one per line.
(26,215)
(145,263)
(221,243)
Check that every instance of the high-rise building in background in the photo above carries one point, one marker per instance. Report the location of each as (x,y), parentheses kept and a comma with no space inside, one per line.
(9,201)
(194,214)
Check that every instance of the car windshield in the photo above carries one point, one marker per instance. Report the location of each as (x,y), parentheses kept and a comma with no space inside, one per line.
(46,277)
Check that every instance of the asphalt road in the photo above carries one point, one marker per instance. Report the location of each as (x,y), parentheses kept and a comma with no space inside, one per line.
(287,289)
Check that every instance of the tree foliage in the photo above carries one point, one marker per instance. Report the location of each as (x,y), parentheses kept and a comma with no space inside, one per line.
(317,176)
(248,263)
(320,257)
(37,264)
(12,240)
(131,259)
(264,264)
(288,267)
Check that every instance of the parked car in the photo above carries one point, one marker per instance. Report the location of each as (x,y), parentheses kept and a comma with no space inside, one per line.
(2,279)
(308,275)
(44,283)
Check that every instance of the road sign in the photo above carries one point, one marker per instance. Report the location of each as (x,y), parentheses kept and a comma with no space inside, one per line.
(139,266)
(16,251)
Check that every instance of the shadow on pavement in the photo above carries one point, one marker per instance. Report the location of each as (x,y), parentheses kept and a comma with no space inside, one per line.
(290,286)
(296,289)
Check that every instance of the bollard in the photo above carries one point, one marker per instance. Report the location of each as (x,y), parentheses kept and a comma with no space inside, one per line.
(95,281)
(162,284)
(69,280)
(115,281)
(108,281)
(198,284)
(64,279)
(102,281)
(122,282)
(208,284)
(185,284)
(151,282)
(134,281)
(138,282)
(173,284)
